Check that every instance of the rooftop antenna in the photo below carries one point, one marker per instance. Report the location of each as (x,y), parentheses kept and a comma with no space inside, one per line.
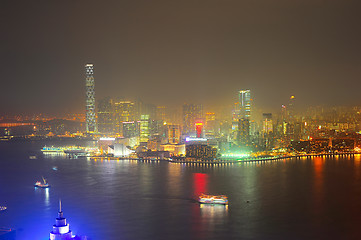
(60,213)
(59,205)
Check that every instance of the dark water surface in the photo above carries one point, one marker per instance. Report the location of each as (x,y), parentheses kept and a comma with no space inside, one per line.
(307,198)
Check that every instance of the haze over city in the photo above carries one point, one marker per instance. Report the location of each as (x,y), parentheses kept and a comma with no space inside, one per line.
(171,52)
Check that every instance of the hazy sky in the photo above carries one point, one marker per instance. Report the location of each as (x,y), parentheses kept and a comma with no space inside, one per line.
(170,52)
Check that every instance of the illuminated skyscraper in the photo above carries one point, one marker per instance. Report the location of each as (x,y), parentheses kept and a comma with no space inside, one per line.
(91,125)
(61,229)
(245,104)
(144,128)
(105,116)
(267,123)
(243,132)
(191,114)
(124,112)
(173,133)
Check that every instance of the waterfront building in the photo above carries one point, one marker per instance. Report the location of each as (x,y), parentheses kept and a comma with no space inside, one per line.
(201,152)
(191,114)
(91,126)
(174,149)
(119,150)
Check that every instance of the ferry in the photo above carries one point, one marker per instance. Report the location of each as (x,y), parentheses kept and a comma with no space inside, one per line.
(213,199)
(52,150)
(43,184)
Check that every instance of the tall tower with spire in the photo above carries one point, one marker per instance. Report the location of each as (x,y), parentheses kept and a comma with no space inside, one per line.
(61,229)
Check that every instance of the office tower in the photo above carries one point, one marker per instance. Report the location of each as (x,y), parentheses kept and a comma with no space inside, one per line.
(241,117)
(245,104)
(212,126)
(90,99)
(124,111)
(130,129)
(291,120)
(243,132)
(173,133)
(144,128)
(161,113)
(191,114)
(267,131)
(199,129)
(105,116)
(291,110)
(267,123)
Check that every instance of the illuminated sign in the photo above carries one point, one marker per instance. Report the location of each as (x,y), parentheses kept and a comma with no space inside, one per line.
(188,139)
(106,139)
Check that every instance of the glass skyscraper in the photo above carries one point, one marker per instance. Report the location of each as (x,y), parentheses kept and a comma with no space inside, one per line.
(90,99)
(245,104)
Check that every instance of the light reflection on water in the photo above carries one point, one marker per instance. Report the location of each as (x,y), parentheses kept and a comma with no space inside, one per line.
(127,199)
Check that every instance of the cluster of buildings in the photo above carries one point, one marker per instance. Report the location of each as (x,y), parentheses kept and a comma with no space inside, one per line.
(148,131)
(197,134)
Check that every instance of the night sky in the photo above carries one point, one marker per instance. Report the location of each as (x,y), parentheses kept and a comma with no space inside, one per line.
(169,52)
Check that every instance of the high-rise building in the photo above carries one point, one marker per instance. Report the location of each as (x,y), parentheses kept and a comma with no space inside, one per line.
(173,133)
(144,128)
(130,129)
(243,138)
(211,125)
(161,113)
(61,229)
(267,123)
(245,104)
(90,118)
(191,114)
(124,111)
(105,116)
(199,129)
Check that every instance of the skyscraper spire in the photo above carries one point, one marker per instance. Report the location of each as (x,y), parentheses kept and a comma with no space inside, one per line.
(61,229)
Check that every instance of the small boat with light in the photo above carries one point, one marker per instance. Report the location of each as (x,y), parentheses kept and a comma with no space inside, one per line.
(2,208)
(43,184)
(213,199)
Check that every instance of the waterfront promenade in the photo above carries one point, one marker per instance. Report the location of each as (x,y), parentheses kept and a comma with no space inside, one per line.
(226,160)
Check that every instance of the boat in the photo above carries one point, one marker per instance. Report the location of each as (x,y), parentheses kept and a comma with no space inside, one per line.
(43,184)
(52,150)
(32,157)
(3,208)
(213,199)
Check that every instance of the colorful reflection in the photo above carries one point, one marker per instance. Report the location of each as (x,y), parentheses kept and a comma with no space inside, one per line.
(318,191)
(200,183)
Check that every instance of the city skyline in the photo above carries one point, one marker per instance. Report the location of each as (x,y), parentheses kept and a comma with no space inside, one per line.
(167,52)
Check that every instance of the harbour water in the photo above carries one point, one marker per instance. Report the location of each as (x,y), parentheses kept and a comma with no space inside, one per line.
(306,198)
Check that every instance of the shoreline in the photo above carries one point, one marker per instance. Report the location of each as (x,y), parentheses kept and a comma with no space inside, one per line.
(219,161)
